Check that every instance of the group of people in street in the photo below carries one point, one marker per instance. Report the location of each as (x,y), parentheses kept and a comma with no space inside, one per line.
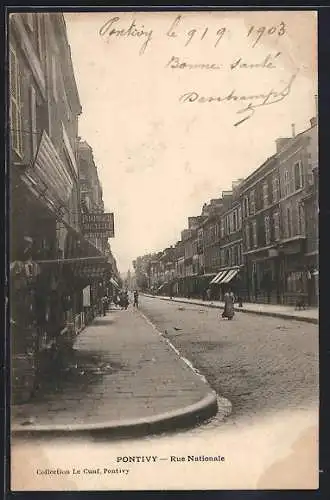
(120,300)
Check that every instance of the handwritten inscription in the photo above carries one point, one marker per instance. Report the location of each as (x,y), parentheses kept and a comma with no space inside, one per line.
(176,63)
(185,32)
(113,28)
(254,101)
(259,31)
(267,62)
(175,32)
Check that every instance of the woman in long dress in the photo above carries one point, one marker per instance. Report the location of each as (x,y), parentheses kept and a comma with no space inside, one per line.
(229,311)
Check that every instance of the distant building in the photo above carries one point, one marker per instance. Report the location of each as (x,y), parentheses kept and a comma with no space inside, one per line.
(260,197)
(260,238)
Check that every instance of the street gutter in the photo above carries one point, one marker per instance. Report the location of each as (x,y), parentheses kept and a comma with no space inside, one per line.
(272,314)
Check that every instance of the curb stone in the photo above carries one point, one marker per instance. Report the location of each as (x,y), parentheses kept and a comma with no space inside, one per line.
(186,417)
(305,319)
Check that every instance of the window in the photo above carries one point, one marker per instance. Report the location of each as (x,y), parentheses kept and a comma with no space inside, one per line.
(247,237)
(65,100)
(265,194)
(15,104)
(252,203)
(54,78)
(267,230)
(239,216)
(294,282)
(231,223)
(227,263)
(236,263)
(276,220)
(276,189)
(298,177)
(288,222)
(234,221)
(246,206)
(254,233)
(222,258)
(222,228)
(33,111)
(286,183)
(301,218)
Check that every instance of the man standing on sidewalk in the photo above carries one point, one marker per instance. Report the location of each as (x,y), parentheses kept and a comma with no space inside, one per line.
(105,302)
(136,299)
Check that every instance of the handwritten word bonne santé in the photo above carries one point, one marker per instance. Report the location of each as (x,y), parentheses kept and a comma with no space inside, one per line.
(177,31)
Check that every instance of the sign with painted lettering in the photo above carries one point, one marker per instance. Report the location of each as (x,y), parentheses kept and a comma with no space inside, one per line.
(98,225)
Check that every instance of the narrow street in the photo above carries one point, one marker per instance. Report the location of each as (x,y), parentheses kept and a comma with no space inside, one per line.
(264,371)
(259,363)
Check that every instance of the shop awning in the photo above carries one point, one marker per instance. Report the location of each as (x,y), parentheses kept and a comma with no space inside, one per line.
(87,268)
(218,277)
(51,170)
(89,271)
(114,283)
(229,276)
(161,286)
(76,260)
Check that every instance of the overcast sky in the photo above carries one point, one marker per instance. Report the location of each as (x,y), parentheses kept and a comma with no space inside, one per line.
(160,159)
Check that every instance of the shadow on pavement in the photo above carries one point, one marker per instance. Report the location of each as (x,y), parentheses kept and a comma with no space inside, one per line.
(73,372)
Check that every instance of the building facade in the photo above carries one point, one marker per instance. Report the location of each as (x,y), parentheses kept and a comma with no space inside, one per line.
(260,198)
(261,238)
(296,160)
(47,248)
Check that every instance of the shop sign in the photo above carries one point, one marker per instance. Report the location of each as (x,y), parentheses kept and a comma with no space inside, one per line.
(273,252)
(98,224)
(91,236)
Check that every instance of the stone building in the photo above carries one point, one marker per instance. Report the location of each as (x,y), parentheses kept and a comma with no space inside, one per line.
(296,158)
(260,197)
(47,248)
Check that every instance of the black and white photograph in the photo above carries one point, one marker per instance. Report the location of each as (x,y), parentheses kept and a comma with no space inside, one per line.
(163,266)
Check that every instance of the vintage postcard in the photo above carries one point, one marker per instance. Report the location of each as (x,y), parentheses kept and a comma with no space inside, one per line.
(163,175)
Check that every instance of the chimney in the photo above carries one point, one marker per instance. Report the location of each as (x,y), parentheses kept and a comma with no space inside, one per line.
(293,128)
(313,121)
(316,106)
(281,142)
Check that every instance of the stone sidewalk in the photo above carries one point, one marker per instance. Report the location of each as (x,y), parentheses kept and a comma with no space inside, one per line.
(123,377)
(310,315)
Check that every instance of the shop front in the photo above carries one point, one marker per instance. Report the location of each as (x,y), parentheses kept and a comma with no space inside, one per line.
(312,272)
(263,279)
(227,278)
(294,273)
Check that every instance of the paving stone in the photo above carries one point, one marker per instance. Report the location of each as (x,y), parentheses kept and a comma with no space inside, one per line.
(144,377)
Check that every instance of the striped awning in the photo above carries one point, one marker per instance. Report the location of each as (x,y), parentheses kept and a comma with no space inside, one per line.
(161,286)
(51,170)
(114,283)
(229,276)
(219,277)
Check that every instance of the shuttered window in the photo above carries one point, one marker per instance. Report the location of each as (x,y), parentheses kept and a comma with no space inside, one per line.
(15,103)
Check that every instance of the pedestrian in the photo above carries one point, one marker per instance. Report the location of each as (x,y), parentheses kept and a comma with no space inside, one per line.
(228,311)
(105,302)
(136,299)
(126,300)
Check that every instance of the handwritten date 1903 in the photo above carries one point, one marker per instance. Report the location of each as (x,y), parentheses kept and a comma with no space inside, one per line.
(259,31)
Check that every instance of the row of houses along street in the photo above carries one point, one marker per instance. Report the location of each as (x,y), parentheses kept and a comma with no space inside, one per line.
(60,266)
(260,239)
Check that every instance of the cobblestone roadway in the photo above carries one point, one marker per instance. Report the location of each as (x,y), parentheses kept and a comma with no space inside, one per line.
(258,363)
